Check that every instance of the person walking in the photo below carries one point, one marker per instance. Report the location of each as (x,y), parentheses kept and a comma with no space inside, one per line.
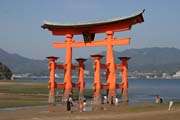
(170,105)
(112,100)
(161,99)
(157,99)
(69,103)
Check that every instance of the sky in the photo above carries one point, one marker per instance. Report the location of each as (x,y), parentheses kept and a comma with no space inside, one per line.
(21,20)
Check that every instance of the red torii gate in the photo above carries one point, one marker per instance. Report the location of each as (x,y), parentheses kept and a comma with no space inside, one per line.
(89,30)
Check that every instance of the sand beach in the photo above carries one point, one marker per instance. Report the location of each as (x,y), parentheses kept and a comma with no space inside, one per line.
(148,112)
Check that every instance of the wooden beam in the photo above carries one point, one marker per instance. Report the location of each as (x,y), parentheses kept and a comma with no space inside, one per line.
(121,41)
(119,66)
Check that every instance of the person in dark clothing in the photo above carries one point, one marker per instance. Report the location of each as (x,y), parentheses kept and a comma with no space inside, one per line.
(112,100)
(161,100)
(69,103)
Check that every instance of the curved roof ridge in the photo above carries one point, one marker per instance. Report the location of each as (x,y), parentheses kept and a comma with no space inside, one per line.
(46,23)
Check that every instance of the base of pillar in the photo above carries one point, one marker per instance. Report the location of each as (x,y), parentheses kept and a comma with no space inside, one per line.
(51,107)
(81,96)
(65,97)
(111,97)
(51,99)
(125,98)
(97,100)
(125,95)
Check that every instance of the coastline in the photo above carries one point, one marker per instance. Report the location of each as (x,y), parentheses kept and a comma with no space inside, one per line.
(34,93)
(28,100)
(120,112)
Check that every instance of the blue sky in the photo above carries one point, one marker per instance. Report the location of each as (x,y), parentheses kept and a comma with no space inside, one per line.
(21,21)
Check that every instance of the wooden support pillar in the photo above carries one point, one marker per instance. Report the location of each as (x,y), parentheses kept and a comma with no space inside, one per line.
(97,78)
(68,64)
(81,81)
(124,78)
(111,71)
(52,83)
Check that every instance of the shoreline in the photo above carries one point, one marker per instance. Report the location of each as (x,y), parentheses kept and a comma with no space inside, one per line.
(35,95)
(14,94)
(120,112)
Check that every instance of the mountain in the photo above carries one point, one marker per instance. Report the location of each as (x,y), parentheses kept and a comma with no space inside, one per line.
(153,59)
(19,64)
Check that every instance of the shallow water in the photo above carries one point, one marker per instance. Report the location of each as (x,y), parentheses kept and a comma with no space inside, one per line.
(147,89)
(139,89)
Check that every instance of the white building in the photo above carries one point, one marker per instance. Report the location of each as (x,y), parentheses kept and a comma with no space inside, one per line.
(86,72)
(177,75)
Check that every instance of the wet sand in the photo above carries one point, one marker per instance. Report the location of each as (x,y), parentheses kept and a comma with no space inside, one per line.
(106,113)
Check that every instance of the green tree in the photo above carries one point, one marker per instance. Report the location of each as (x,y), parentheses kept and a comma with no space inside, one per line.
(5,72)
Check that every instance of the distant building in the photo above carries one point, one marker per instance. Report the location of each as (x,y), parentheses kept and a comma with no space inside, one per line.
(86,72)
(166,76)
(177,75)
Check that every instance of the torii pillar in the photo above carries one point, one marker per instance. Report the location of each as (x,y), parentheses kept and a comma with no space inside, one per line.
(68,66)
(52,83)
(81,81)
(97,78)
(125,78)
(111,70)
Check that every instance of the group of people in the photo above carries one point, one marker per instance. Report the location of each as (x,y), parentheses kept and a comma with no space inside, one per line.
(82,103)
(112,101)
(159,99)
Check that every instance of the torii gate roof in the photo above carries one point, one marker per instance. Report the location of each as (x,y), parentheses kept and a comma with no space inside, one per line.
(115,25)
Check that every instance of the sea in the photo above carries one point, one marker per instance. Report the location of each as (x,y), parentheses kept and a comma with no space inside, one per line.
(140,90)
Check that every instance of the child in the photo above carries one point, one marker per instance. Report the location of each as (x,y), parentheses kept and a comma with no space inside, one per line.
(80,105)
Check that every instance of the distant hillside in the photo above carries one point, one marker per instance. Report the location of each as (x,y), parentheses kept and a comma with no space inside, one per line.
(19,64)
(148,59)
(142,60)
